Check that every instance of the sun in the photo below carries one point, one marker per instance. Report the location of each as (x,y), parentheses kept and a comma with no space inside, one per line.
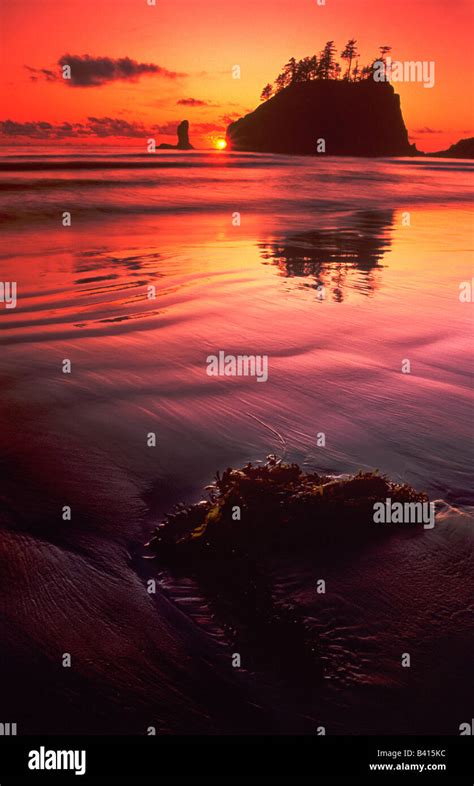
(221,144)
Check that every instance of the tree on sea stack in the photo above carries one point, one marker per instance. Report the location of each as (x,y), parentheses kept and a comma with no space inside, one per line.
(324,67)
(384,50)
(291,69)
(267,92)
(326,61)
(349,53)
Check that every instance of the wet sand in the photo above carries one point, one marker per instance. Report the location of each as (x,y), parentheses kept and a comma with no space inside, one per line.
(79,586)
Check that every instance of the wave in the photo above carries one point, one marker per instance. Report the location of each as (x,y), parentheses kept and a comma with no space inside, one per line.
(63,162)
(47,211)
(46,164)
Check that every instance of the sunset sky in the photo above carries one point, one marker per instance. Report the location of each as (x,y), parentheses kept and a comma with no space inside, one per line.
(184,51)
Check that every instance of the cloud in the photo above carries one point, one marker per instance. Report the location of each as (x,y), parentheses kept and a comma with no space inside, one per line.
(93,127)
(204,128)
(194,102)
(88,71)
(113,126)
(427,130)
(167,128)
(191,102)
(36,129)
(196,129)
(99,127)
(50,76)
(228,119)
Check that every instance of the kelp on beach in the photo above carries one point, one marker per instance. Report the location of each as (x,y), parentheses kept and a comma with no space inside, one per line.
(254,517)
(265,508)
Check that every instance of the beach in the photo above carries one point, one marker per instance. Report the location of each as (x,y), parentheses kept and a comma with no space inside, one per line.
(338,271)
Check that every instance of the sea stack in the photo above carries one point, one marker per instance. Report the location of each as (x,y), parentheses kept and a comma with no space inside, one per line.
(353,118)
(183,136)
(183,139)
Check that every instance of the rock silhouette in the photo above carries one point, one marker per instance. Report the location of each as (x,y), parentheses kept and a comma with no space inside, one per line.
(328,257)
(462,149)
(353,118)
(183,139)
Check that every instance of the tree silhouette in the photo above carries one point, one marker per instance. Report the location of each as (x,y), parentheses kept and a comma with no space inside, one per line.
(306,69)
(326,61)
(324,67)
(267,92)
(312,67)
(281,82)
(384,50)
(366,72)
(291,70)
(349,53)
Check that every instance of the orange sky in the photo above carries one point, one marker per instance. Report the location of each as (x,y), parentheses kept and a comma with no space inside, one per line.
(204,39)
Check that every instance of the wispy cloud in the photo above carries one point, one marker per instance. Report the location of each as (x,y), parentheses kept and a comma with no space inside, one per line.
(113,126)
(205,128)
(93,127)
(192,102)
(196,129)
(89,71)
(229,118)
(99,127)
(427,130)
(43,73)
(167,128)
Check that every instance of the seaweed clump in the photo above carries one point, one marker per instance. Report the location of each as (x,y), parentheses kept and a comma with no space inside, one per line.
(230,544)
(275,506)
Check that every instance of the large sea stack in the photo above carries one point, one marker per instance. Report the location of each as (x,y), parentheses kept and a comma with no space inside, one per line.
(354,119)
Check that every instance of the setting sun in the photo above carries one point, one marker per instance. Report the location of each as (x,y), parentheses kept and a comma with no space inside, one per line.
(221,144)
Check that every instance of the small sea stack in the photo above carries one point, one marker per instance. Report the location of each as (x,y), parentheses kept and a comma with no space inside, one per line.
(183,139)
